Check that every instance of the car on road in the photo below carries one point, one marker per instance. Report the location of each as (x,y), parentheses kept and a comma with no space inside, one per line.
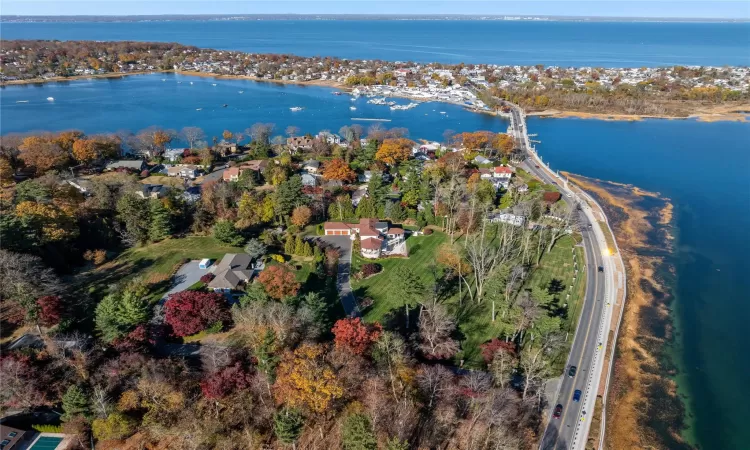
(572,371)
(536,165)
(601,269)
(577,395)
(590,226)
(558,412)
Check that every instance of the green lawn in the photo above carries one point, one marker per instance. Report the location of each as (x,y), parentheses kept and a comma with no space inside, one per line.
(153,263)
(422,250)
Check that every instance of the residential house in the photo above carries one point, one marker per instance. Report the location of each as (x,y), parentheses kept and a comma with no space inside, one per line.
(226,148)
(333,139)
(189,171)
(481,160)
(233,269)
(376,237)
(174,154)
(13,438)
(309,179)
(299,143)
(311,166)
(512,219)
(234,173)
(137,165)
(152,191)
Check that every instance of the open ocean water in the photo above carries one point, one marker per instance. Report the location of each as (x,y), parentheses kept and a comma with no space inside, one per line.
(703,167)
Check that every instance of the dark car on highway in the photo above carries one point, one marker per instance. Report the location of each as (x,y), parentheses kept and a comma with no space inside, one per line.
(601,268)
(572,371)
(577,395)
(558,412)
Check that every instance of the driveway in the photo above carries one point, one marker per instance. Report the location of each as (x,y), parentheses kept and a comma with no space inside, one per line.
(186,276)
(344,244)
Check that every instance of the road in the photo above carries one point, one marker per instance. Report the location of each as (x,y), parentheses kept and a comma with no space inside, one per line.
(344,244)
(586,353)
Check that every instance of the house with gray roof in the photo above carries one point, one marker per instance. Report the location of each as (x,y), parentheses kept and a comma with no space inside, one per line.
(233,269)
(137,164)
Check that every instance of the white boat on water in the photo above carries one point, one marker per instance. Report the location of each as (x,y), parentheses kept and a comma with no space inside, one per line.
(163,79)
(52,99)
(191,82)
(353,108)
(22,101)
(296,108)
(213,84)
(442,112)
(242,92)
(198,109)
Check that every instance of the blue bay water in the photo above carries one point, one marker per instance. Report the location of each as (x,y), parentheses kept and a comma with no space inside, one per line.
(560,43)
(703,167)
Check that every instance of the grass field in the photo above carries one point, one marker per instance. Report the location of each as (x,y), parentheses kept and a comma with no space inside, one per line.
(153,263)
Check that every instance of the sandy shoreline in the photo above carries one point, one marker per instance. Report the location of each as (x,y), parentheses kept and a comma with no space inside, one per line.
(732,113)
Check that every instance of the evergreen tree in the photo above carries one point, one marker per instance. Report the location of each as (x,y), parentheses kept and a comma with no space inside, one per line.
(317,254)
(377,189)
(118,313)
(161,222)
(134,212)
(357,434)
(132,310)
(75,402)
(287,425)
(289,195)
(397,212)
(106,318)
(396,444)
(366,208)
(320,308)
(265,354)
(289,245)
(225,232)
(307,250)
(299,246)
(254,293)
(341,208)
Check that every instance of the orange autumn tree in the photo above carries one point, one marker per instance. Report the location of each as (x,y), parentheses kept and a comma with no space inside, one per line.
(338,170)
(305,380)
(84,150)
(42,154)
(474,141)
(67,139)
(504,143)
(56,223)
(393,151)
(279,281)
(301,216)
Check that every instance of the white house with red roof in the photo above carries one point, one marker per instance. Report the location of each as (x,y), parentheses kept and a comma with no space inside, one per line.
(376,237)
(499,176)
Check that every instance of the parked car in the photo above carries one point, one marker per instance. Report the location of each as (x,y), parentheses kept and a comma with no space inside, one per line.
(558,412)
(577,395)
(572,371)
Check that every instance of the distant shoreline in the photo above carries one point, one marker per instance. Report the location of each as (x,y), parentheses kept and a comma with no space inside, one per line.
(722,113)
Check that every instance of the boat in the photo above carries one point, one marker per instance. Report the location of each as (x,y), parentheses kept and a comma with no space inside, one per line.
(22,101)
(354,98)
(353,108)
(296,108)
(163,79)
(242,92)
(52,99)
(191,82)
(213,84)
(179,82)
(442,112)
(198,109)
(370,120)
(224,105)
(337,93)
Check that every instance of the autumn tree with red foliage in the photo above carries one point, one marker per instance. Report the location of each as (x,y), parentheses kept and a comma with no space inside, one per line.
(135,341)
(279,281)
(189,312)
(50,310)
(490,349)
(355,336)
(225,382)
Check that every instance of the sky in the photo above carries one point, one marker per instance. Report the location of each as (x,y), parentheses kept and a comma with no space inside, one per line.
(733,9)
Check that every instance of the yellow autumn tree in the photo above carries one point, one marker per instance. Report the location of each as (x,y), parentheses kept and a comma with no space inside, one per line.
(84,150)
(55,223)
(304,379)
(394,150)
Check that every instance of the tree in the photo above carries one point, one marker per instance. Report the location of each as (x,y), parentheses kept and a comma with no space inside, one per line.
(435,328)
(292,131)
(116,426)
(189,312)
(341,208)
(299,246)
(227,135)
(225,232)
(50,310)
(51,221)
(435,383)
(304,379)
(136,215)
(41,154)
(320,308)
(366,208)
(452,258)
(226,381)
(338,170)
(394,151)
(75,402)
(354,336)
(161,222)
(289,195)
(192,135)
(120,312)
(279,281)
(255,248)
(84,150)
(357,433)
(287,425)
(301,216)
(408,289)
(261,133)
(24,278)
